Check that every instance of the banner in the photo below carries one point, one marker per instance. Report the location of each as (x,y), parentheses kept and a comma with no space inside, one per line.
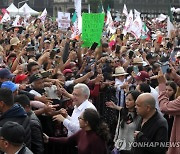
(92,27)
(136,27)
(63,20)
(43,15)
(5,18)
(125,11)
(128,23)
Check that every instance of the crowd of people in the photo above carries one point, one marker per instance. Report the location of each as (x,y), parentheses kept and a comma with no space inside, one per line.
(123,97)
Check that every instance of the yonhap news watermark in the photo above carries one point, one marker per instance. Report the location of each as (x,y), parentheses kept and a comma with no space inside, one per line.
(122,144)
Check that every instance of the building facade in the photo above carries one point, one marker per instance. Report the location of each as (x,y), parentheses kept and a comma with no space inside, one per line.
(67,6)
(149,8)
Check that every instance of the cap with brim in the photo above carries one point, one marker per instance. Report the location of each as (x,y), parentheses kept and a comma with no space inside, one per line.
(13,132)
(67,71)
(138,60)
(142,76)
(20,78)
(14,41)
(5,73)
(47,41)
(9,85)
(119,71)
(35,77)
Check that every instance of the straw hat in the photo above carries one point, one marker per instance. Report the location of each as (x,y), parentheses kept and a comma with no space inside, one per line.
(14,41)
(119,71)
(138,60)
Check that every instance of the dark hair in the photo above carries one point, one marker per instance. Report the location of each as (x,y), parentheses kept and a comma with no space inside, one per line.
(23,100)
(124,112)
(94,120)
(6,96)
(173,85)
(145,88)
(30,65)
(105,45)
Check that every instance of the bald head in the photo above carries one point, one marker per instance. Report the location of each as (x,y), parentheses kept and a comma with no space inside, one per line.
(147,99)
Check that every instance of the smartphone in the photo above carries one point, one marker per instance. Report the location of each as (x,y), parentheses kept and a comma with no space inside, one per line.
(135,69)
(1,26)
(165,67)
(121,37)
(46,74)
(118,48)
(94,45)
(74,44)
(131,53)
(52,54)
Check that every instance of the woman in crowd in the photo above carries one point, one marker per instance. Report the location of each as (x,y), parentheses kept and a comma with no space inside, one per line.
(171,89)
(128,121)
(92,137)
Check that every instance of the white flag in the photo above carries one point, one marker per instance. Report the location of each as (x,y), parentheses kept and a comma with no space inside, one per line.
(161,17)
(129,21)
(109,17)
(136,13)
(77,5)
(136,27)
(5,18)
(16,21)
(125,11)
(170,27)
(43,15)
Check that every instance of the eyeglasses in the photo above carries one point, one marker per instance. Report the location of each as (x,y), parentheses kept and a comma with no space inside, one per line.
(80,118)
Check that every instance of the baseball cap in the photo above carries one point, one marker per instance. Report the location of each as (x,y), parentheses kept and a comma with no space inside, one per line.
(142,75)
(47,41)
(67,71)
(20,77)
(35,77)
(9,85)
(5,73)
(13,132)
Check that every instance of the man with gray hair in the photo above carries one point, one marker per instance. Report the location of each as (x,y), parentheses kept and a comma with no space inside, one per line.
(153,131)
(80,98)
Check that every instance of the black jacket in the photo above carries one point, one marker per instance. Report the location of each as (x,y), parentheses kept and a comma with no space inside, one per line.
(152,135)
(25,150)
(37,146)
(17,114)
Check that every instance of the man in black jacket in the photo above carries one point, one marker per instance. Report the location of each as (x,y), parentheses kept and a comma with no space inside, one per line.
(12,137)
(37,146)
(152,135)
(14,112)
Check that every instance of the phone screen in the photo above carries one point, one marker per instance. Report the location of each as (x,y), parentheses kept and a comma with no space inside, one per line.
(1,26)
(136,69)
(164,68)
(117,48)
(94,45)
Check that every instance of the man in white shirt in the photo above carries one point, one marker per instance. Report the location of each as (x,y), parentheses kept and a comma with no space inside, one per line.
(80,94)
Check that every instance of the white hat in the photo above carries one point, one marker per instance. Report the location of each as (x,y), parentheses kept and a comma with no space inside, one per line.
(178,54)
(119,71)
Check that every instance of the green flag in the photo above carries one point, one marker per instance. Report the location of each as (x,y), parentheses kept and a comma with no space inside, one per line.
(74,17)
(170,12)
